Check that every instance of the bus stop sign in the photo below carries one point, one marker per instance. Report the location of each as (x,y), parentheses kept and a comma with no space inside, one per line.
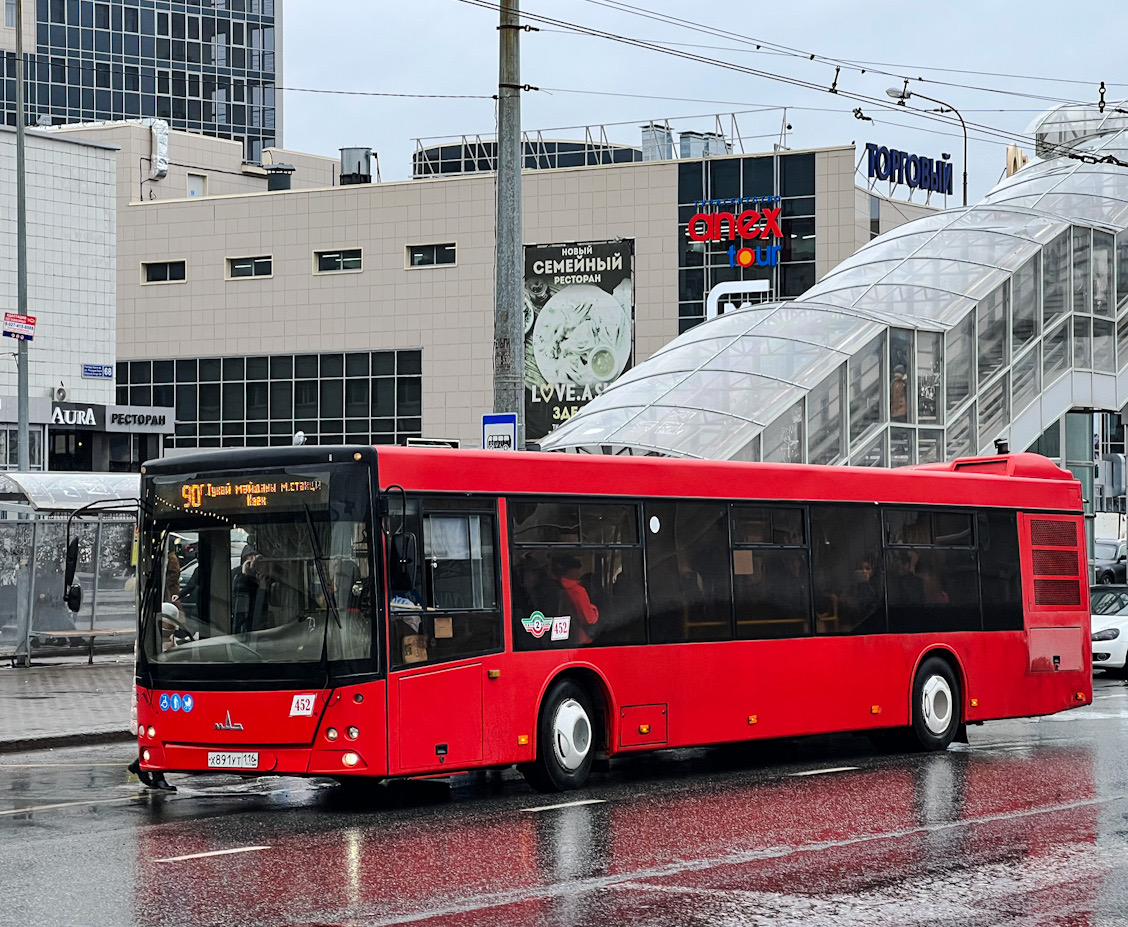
(499,431)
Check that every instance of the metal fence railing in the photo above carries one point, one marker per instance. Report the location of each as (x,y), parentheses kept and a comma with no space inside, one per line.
(34,619)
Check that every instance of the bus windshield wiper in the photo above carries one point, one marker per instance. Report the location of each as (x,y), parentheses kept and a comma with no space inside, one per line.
(330,599)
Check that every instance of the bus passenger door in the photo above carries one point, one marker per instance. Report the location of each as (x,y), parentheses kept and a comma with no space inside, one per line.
(440,629)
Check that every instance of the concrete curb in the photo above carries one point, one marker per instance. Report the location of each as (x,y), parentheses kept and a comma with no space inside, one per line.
(64,740)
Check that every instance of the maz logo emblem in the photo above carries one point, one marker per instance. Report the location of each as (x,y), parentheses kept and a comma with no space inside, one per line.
(228,724)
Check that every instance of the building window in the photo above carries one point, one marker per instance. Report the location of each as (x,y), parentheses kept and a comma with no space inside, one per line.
(329,262)
(163,272)
(358,398)
(9,448)
(130,19)
(101,16)
(429,255)
(10,13)
(249,267)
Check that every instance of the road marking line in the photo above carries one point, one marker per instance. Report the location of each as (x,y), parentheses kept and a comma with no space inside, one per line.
(70,804)
(572,888)
(568,804)
(55,765)
(179,859)
(819,772)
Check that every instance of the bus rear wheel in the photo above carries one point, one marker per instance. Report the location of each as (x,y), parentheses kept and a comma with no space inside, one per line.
(936,704)
(565,747)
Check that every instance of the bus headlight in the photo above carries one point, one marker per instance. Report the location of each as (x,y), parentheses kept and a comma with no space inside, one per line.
(331,734)
(352,733)
(350,759)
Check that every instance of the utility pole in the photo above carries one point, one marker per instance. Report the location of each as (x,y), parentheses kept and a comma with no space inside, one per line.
(509,305)
(23,460)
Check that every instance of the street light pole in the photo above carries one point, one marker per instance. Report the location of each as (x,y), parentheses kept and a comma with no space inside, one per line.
(23,459)
(901,95)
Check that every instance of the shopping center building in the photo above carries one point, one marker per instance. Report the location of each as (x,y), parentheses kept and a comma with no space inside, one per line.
(1007,320)
(304,296)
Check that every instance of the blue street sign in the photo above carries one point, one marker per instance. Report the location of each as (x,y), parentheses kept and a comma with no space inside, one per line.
(97,371)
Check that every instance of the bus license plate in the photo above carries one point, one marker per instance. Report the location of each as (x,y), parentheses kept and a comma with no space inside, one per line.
(228,760)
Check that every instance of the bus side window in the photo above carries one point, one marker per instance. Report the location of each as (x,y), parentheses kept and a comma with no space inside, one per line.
(688,575)
(459,614)
(770,572)
(849,582)
(581,563)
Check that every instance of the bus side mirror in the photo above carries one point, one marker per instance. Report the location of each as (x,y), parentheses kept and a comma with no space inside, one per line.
(402,567)
(72,562)
(72,592)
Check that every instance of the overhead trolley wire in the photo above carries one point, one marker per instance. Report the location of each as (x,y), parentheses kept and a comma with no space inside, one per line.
(755,72)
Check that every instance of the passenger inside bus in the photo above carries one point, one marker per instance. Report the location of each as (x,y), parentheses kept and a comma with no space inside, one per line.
(250,593)
(566,571)
(535,589)
(905,587)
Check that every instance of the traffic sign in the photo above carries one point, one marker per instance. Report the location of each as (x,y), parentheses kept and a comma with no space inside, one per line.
(499,431)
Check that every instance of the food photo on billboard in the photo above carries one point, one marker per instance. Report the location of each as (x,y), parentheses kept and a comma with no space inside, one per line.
(579,327)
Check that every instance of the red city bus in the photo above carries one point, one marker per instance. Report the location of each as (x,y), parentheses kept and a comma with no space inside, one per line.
(384,612)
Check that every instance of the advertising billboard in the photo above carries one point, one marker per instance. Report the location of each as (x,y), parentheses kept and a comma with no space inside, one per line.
(579,327)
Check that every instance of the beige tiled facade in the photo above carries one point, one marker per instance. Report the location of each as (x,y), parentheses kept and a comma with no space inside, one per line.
(446,311)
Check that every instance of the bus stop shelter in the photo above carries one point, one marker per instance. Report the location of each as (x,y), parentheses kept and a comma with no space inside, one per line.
(34,511)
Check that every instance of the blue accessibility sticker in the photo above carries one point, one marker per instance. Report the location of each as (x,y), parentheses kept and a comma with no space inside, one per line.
(164,701)
(187,701)
(176,702)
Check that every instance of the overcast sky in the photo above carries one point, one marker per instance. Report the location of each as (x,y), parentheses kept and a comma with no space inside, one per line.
(1053,52)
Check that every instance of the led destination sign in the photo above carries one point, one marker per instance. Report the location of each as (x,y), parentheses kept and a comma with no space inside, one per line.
(275,491)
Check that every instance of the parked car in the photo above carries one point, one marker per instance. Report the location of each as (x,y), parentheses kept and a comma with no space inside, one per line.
(1110,557)
(1109,607)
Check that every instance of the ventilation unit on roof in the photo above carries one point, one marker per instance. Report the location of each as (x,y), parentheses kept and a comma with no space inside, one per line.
(704,144)
(356,165)
(278,176)
(657,142)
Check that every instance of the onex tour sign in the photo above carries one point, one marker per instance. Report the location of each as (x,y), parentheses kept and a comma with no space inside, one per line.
(756,224)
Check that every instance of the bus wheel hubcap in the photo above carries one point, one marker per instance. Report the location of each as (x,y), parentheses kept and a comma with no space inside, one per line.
(571,734)
(936,704)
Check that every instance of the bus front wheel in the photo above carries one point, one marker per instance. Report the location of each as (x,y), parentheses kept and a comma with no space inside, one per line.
(936,704)
(564,740)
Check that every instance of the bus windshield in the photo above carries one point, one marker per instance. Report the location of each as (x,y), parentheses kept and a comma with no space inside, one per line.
(252,567)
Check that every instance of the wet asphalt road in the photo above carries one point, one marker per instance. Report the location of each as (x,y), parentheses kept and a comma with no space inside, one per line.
(1025,826)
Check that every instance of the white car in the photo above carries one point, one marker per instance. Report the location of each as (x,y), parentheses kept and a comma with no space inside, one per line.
(1109,607)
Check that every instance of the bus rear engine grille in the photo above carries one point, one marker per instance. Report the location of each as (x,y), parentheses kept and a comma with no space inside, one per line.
(1057,592)
(1046,533)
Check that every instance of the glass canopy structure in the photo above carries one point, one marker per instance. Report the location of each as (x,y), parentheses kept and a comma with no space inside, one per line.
(931,342)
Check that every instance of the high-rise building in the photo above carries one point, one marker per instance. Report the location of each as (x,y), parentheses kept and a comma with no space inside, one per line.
(207,66)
